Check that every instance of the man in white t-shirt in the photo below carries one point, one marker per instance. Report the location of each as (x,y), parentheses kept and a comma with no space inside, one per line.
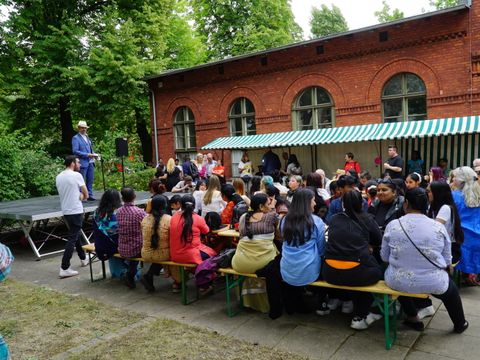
(72,190)
(186,185)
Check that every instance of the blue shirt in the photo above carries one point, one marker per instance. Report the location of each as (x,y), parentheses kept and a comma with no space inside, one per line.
(270,162)
(301,265)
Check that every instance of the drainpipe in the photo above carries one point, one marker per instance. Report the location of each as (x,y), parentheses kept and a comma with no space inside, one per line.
(155,137)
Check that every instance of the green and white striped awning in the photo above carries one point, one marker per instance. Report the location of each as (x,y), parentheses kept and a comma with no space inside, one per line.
(370,132)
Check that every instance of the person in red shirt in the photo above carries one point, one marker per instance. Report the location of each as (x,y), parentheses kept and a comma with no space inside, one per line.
(186,227)
(351,164)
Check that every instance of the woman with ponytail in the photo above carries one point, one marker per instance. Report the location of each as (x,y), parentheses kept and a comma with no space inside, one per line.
(156,242)
(186,228)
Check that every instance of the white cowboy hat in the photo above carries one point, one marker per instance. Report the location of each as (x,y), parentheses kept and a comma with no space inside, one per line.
(82,124)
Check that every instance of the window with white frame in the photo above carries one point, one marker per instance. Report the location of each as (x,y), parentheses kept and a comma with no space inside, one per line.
(242,118)
(313,109)
(404,98)
(184,129)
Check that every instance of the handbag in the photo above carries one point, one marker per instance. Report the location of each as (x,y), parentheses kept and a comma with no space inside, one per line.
(420,251)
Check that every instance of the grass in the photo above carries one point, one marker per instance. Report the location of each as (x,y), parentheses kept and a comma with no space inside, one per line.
(39,323)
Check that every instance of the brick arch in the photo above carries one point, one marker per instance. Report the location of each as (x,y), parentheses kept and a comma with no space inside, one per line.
(309,80)
(236,93)
(179,102)
(414,66)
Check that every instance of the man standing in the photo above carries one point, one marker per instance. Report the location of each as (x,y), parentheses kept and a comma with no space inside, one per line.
(210,164)
(82,147)
(270,162)
(394,165)
(72,190)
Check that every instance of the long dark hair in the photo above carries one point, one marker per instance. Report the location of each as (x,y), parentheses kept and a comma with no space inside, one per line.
(298,223)
(417,199)
(257,200)
(255,185)
(353,205)
(442,195)
(188,205)
(109,202)
(229,192)
(314,179)
(159,208)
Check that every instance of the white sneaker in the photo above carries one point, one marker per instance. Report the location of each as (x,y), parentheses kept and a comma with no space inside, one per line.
(426,312)
(333,304)
(347,307)
(359,323)
(371,318)
(67,273)
(85,262)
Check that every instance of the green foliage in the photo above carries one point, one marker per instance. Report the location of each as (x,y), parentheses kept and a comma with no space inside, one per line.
(235,27)
(386,15)
(325,21)
(26,169)
(138,180)
(443,4)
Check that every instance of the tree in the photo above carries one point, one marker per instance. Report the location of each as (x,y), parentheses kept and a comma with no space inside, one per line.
(385,15)
(235,27)
(443,4)
(325,21)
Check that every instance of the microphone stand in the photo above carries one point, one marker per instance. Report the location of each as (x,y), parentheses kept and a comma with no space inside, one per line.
(103,173)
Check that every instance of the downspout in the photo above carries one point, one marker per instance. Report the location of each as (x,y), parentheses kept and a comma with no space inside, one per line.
(155,137)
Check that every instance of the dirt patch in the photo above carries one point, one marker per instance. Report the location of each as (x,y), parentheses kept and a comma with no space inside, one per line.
(38,322)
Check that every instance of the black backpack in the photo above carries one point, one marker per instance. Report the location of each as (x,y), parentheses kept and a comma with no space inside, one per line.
(193,170)
(239,209)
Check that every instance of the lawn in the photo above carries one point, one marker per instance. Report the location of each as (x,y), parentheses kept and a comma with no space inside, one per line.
(39,323)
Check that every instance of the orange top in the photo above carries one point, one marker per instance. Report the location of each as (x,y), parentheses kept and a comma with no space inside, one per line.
(342,264)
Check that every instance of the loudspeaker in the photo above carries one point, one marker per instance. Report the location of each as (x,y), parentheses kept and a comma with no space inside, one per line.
(121,146)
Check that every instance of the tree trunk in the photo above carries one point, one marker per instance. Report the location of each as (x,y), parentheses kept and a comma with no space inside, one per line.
(145,138)
(66,123)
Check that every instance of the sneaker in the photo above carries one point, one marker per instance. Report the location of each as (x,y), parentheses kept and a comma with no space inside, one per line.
(426,312)
(333,304)
(323,309)
(461,329)
(359,323)
(371,318)
(347,307)
(147,281)
(67,273)
(130,282)
(415,325)
(85,262)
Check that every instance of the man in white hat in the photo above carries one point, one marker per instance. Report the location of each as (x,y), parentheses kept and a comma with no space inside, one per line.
(82,147)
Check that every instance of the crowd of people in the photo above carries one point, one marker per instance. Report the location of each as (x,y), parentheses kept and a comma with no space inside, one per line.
(410,232)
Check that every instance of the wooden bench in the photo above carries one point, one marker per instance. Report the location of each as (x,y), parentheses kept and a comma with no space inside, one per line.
(385,298)
(92,255)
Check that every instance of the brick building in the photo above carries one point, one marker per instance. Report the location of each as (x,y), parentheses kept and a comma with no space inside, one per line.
(418,68)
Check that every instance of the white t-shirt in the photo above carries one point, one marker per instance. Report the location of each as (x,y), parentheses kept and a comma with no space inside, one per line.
(68,184)
(445,214)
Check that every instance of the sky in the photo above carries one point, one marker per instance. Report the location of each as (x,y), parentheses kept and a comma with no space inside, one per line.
(358,13)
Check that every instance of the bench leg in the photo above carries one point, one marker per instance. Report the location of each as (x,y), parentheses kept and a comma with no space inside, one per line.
(184,279)
(90,265)
(390,328)
(231,284)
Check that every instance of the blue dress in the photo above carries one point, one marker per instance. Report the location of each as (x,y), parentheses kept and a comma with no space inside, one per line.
(470,218)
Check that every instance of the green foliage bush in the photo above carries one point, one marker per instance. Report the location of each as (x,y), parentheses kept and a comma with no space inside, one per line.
(137,180)
(26,169)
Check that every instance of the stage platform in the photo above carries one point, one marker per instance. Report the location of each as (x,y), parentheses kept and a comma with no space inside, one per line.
(40,210)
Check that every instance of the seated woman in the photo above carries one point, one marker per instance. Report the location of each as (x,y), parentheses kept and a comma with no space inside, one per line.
(348,255)
(302,250)
(155,187)
(294,183)
(388,205)
(156,242)
(219,170)
(186,227)
(198,194)
(418,250)
(256,249)
(212,200)
(239,186)
(105,233)
(231,198)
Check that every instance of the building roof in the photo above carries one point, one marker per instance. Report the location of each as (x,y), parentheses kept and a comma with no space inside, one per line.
(345,134)
(465,5)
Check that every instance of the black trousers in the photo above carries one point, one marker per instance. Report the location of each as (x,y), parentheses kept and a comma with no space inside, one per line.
(154,269)
(450,298)
(367,273)
(274,283)
(74,223)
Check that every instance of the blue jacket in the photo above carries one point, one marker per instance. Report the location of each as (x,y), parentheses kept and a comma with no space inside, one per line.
(301,265)
(270,162)
(81,148)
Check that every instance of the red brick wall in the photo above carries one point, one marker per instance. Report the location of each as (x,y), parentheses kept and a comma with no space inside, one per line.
(353,69)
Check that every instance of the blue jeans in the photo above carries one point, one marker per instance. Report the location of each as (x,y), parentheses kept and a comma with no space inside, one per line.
(4,353)
(87,173)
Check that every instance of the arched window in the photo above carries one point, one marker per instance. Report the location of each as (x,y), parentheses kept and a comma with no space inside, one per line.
(184,127)
(242,118)
(313,109)
(404,98)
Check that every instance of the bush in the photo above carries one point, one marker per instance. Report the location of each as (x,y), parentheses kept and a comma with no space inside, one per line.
(26,169)
(137,180)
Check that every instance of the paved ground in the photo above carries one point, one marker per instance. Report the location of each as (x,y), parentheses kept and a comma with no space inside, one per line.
(328,337)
